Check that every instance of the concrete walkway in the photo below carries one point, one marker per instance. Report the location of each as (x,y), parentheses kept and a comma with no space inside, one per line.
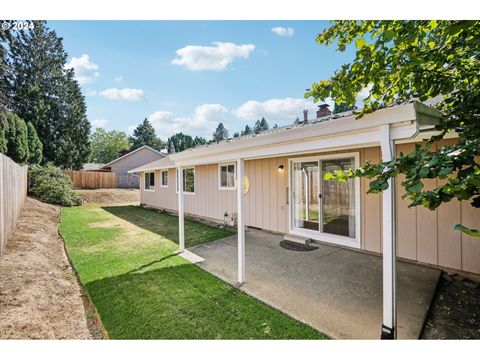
(335,290)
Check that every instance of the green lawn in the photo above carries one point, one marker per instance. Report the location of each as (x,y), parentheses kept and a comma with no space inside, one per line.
(126,259)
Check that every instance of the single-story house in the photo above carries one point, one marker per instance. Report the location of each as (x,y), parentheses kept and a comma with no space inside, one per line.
(94,167)
(138,157)
(274,180)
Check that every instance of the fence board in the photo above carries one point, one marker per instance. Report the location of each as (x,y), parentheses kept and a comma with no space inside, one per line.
(13,192)
(102,180)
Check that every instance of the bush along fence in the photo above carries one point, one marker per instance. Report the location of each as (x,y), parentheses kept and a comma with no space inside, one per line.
(102,180)
(13,192)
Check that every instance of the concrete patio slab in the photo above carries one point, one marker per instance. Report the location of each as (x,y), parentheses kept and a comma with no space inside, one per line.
(333,289)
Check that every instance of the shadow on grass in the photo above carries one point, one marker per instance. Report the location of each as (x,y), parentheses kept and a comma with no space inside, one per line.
(185,302)
(166,225)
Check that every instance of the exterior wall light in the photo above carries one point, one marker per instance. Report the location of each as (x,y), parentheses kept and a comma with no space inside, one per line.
(280,168)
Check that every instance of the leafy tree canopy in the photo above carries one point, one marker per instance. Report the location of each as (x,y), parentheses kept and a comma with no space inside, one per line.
(17,139)
(261,125)
(181,141)
(35,146)
(108,145)
(401,60)
(145,134)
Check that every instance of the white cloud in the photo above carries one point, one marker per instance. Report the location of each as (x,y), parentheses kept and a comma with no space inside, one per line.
(122,94)
(201,123)
(99,123)
(363,94)
(218,57)
(130,129)
(274,109)
(85,70)
(118,78)
(283,32)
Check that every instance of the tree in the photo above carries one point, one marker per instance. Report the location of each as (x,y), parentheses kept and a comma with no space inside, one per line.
(144,134)
(221,133)
(107,145)
(179,142)
(35,146)
(17,139)
(399,60)
(236,134)
(199,141)
(248,130)
(44,93)
(261,125)
(339,108)
(3,132)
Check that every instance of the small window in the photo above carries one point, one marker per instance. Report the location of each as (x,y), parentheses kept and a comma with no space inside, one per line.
(226,176)
(150,181)
(164,178)
(188,180)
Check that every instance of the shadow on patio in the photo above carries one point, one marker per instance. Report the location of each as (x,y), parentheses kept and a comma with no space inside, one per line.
(333,289)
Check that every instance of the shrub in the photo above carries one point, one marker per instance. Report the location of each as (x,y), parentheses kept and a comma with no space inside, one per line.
(51,185)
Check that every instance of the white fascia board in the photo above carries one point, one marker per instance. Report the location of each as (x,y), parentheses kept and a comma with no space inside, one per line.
(343,141)
(151,168)
(349,124)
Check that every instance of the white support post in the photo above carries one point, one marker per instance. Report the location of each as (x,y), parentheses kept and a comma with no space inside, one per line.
(181,210)
(240,222)
(389,325)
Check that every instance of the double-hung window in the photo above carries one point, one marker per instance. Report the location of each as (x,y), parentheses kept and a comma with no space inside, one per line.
(226,176)
(188,180)
(164,178)
(149,181)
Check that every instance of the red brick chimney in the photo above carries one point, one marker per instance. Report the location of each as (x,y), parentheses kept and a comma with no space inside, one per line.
(323,110)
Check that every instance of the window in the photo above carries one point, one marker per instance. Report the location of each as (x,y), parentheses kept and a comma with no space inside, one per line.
(164,178)
(188,181)
(226,176)
(149,181)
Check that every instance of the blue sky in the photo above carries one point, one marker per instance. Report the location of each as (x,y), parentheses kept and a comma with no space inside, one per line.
(189,75)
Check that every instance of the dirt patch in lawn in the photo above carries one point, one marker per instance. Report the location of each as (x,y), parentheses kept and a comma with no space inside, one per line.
(40,297)
(110,196)
(455,310)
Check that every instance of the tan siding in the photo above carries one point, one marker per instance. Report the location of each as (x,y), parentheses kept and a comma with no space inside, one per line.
(423,235)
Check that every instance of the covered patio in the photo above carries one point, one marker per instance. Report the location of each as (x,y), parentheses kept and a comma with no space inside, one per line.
(333,289)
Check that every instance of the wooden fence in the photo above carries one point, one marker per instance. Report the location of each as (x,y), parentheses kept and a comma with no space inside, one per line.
(13,192)
(102,180)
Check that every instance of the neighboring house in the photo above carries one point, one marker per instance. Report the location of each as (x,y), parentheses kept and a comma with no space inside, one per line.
(141,156)
(274,181)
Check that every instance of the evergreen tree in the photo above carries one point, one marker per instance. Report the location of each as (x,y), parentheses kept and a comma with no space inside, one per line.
(221,133)
(261,125)
(199,141)
(107,145)
(236,134)
(35,146)
(248,130)
(340,107)
(179,142)
(3,133)
(17,139)
(44,93)
(144,134)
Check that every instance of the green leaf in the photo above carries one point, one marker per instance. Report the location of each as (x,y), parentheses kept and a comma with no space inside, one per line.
(445,171)
(360,43)
(415,188)
(466,230)
(423,172)
(388,35)
(431,44)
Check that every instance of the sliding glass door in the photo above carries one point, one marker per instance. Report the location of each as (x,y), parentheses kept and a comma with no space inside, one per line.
(319,206)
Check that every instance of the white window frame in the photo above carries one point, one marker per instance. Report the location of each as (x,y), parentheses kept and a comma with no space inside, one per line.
(194,180)
(320,236)
(145,184)
(161,178)
(220,187)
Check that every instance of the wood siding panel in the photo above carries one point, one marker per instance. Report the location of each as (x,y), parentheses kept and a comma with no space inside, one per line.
(372,207)
(470,217)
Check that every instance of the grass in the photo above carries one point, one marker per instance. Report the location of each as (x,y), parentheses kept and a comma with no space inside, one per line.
(125,257)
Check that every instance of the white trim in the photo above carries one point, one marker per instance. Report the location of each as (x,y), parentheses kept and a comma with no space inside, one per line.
(318,235)
(220,187)
(194,180)
(161,178)
(240,222)
(389,241)
(181,212)
(130,153)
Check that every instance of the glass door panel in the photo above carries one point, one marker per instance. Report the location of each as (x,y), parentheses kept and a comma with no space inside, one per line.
(338,200)
(306,195)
